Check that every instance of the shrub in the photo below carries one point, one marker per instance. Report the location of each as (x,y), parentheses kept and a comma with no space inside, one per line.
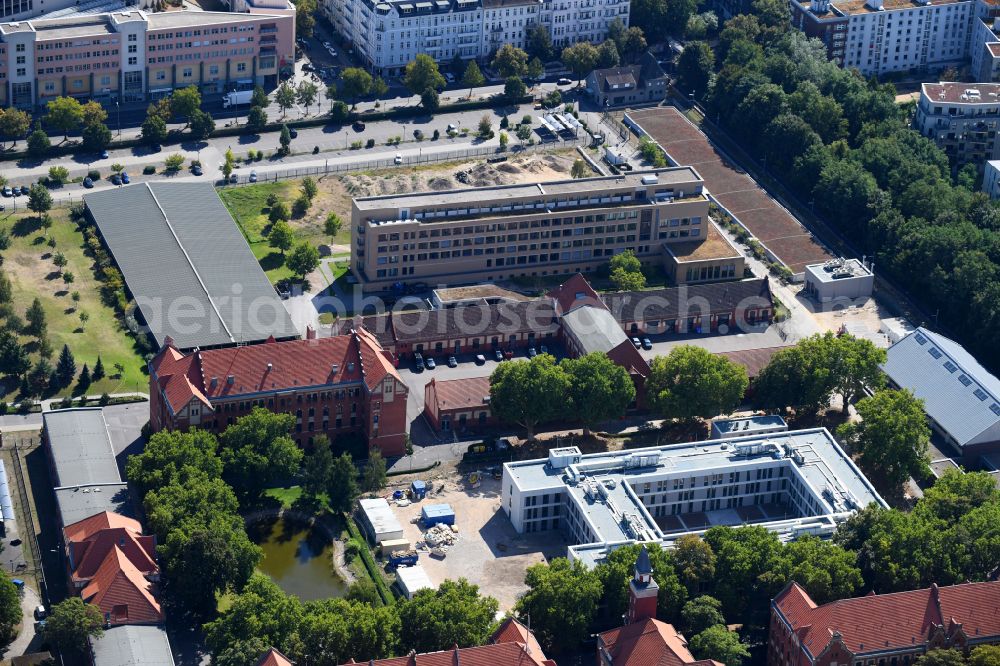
(105,400)
(356,145)
(370,143)
(148,170)
(437,135)
(94,174)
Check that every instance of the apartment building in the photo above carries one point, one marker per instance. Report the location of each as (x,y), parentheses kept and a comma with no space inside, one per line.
(796,482)
(961,118)
(494,233)
(134,55)
(387,34)
(882,36)
(334,386)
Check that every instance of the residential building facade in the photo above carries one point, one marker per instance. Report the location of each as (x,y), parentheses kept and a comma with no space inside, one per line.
(333,386)
(387,34)
(458,404)
(884,629)
(630,85)
(961,118)
(134,55)
(882,36)
(493,233)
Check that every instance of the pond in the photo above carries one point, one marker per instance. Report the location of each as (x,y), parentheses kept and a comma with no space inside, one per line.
(298,558)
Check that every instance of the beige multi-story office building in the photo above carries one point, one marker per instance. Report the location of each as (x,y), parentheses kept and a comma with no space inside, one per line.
(555,228)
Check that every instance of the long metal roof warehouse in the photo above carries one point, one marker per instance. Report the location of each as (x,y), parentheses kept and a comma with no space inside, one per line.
(84,468)
(188,266)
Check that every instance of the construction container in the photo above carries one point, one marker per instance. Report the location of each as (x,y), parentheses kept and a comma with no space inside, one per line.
(433,514)
(418,490)
(393,546)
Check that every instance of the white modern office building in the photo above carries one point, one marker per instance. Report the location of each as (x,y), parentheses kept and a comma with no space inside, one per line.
(387,34)
(794,483)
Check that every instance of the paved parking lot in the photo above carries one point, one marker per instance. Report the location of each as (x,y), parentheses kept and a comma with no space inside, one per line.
(487,551)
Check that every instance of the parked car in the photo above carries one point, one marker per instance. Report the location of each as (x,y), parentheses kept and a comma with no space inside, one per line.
(25,190)
(542,349)
(532,352)
(480,359)
(307,67)
(125,178)
(116,179)
(327,45)
(333,54)
(196,170)
(430,363)
(292,132)
(88,183)
(253,177)
(635,341)
(418,361)
(452,127)
(398,159)
(7,192)
(40,612)
(104,154)
(498,354)
(452,362)
(647,343)
(358,126)
(449,77)
(233,178)
(563,81)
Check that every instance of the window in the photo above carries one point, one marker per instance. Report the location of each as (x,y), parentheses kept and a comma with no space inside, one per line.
(950,367)
(964,379)
(241,67)
(933,351)
(980,393)
(920,339)
(995,408)
(133,61)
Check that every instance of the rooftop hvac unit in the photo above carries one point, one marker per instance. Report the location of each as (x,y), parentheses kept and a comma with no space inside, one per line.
(643,460)
(564,457)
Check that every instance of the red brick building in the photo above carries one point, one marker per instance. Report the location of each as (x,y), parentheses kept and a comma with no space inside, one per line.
(458,404)
(881,630)
(333,386)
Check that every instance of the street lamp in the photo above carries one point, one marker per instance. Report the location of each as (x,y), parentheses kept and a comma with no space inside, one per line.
(236,107)
(118,113)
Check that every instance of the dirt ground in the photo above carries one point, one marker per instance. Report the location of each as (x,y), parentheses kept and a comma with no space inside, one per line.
(336,191)
(487,550)
(867,316)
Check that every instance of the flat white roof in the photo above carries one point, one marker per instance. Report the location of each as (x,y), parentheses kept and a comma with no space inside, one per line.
(379,514)
(413,579)
(837,270)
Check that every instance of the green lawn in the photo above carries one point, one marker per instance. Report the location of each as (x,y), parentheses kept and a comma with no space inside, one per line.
(29,265)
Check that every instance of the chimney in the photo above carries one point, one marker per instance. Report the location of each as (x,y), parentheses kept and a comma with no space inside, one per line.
(310,333)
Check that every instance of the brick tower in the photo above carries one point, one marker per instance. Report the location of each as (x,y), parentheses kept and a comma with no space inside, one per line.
(642,590)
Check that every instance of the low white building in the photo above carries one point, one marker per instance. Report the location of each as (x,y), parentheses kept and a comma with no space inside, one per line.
(378,520)
(412,579)
(839,280)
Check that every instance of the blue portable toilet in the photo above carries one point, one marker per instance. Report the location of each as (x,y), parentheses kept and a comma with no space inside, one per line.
(418,489)
(19,584)
(432,514)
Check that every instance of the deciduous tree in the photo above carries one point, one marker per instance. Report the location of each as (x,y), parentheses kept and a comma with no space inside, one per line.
(561,599)
(422,74)
(71,624)
(719,644)
(529,392)
(257,451)
(64,114)
(599,389)
(692,382)
(510,61)
(453,614)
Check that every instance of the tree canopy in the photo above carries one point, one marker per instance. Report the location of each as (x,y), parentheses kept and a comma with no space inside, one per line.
(562,599)
(529,392)
(693,382)
(257,451)
(599,388)
(453,614)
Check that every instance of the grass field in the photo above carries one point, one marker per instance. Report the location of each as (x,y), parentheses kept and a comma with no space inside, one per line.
(28,263)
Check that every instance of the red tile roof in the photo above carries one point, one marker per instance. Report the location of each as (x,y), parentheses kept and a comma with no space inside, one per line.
(649,643)
(464,393)
(88,555)
(271,366)
(274,658)
(627,356)
(753,360)
(512,644)
(88,527)
(573,293)
(122,593)
(879,622)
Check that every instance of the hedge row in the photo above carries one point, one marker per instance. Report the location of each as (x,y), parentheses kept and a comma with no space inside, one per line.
(370,564)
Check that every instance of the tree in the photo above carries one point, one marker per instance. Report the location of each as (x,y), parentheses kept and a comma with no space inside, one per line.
(744,558)
(523,133)
(84,381)
(38,142)
(510,61)
(485,126)
(279,213)
(66,367)
(14,358)
(184,102)
(174,162)
(985,655)
(891,439)
(453,614)
(941,657)
(38,379)
(309,187)
(257,451)
(826,571)
(227,165)
(379,87)
(538,42)
(599,389)
(14,123)
(6,288)
(607,54)
(202,124)
(634,44)
(257,118)
(536,70)
(285,97)
(10,606)
(694,67)
(306,93)
(701,613)
(422,74)
(99,371)
(34,316)
(580,58)
(529,392)
(430,100)
(154,127)
(561,599)
(273,615)
(719,644)
(305,17)
(96,136)
(343,486)
(355,82)
(626,272)
(65,114)
(318,467)
(58,174)
(332,225)
(303,260)
(71,624)
(374,476)
(172,457)
(514,88)
(693,382)
(694,561)
(259,97)
(39,199)
(285,139)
